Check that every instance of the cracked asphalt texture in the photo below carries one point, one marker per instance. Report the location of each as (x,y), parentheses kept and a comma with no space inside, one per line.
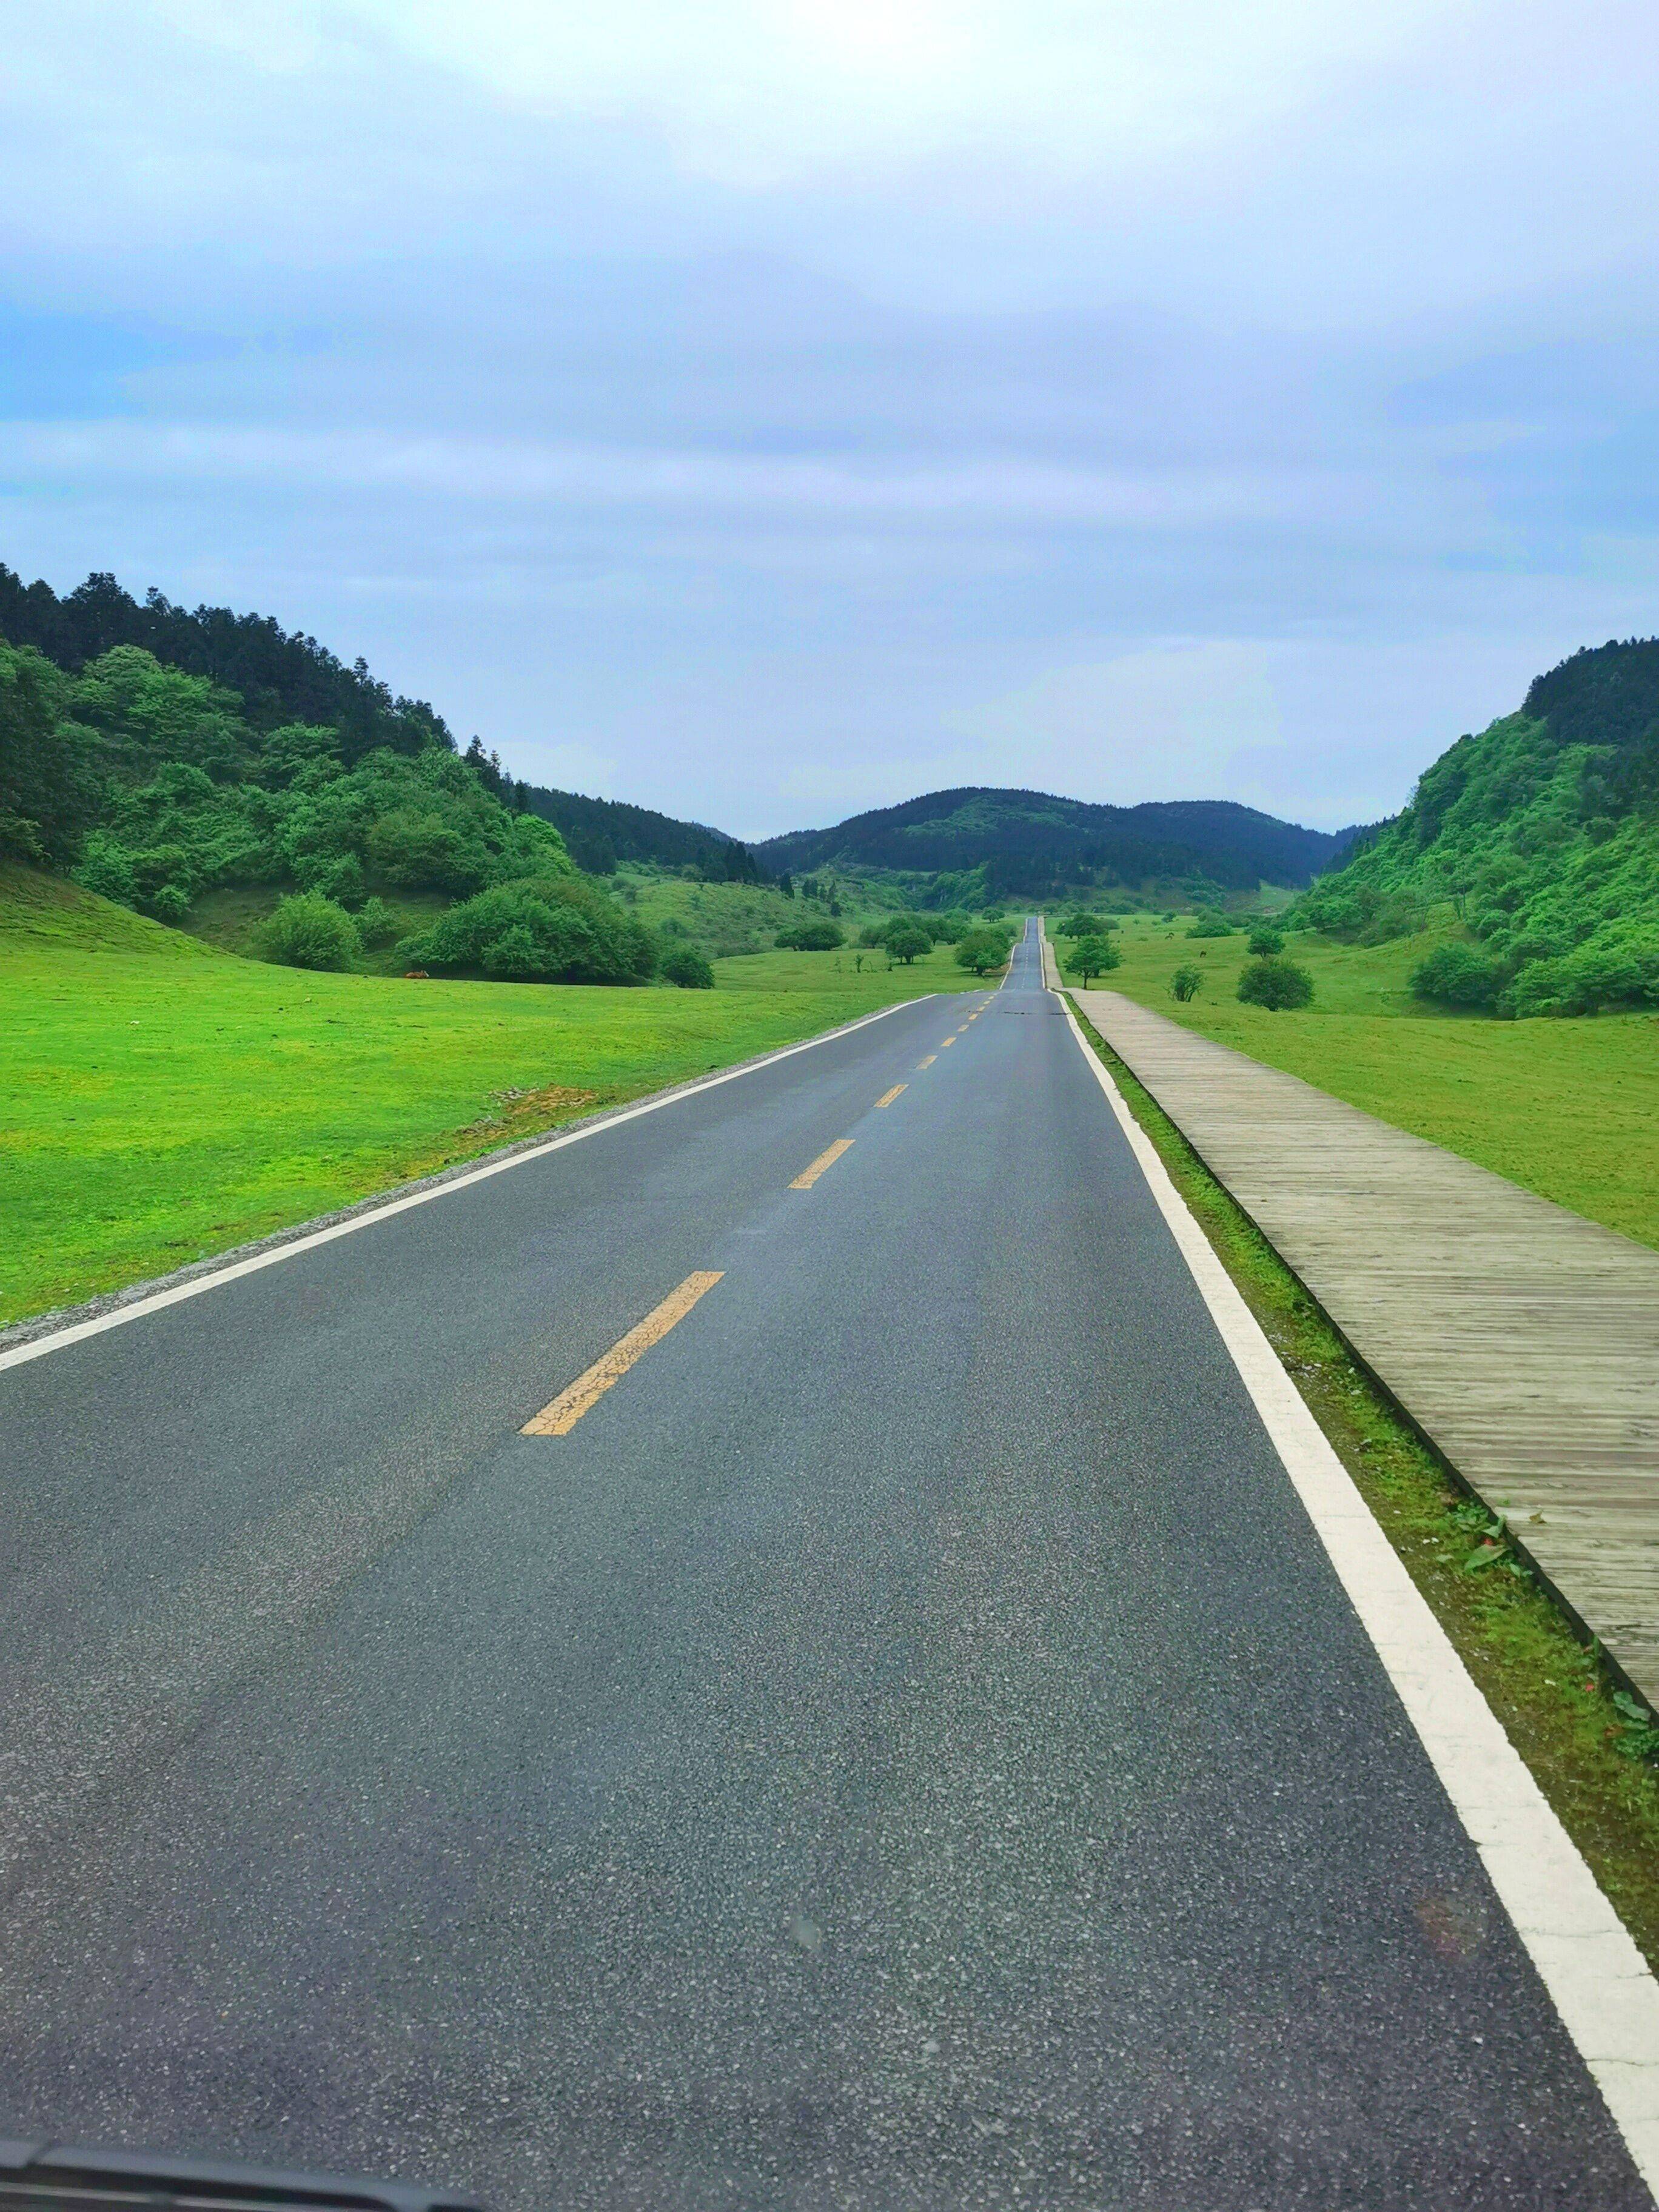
(904,1748)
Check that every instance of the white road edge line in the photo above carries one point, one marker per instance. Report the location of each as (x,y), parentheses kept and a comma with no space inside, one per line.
(1597,1980)
(37,1348)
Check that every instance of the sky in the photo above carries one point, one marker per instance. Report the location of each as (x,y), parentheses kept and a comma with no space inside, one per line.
(765,412)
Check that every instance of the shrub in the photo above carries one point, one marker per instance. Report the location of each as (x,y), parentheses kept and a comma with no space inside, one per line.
(168,903)
(1457,975)
(811,937)
(1095,956)
(376,924)
(684,965)
(1265,943)
(308,931)
(561,930)
(1186,983)
(906,942)
(1210,924)
(1276,984)
(1623,973)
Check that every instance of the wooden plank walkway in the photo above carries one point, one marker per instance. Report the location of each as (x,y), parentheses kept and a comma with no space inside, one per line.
(1520,1338)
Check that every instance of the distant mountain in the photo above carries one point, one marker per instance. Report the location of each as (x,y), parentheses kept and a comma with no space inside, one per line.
(602,832)
(1030,844)
(1542,833)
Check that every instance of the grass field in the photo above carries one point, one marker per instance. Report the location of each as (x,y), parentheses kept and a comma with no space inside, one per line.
(163,1101)
(1569,1108)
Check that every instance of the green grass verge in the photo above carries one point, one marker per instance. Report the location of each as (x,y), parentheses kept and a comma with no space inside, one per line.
(1557,1701)
(1568,1109)
(160,1102)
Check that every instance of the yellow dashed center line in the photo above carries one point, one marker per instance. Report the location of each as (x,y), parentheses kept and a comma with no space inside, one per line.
(928,1063)
(945,1041)
(808,1177)
(888,1096)
(558,1418)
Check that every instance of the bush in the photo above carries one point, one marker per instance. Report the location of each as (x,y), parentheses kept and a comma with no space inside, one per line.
(684,965)
(1624,973)
(1457,975)
(558,930)
(811,937)
(982,950)
(308,931)
(1276,984)
(1210,924)
(906,942)
(1186,983)
(376,924)
(1095,956)
(1265,943)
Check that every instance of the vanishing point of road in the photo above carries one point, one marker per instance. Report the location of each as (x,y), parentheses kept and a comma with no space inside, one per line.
(888,1737)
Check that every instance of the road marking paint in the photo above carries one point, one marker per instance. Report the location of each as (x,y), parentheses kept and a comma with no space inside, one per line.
(309,1240)
(558,1418)
(888,1096)
(945,1041)
(1597,1980)
(808,1177)
(928,1063)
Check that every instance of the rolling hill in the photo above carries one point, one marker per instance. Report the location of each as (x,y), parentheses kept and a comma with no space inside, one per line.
(1030,844)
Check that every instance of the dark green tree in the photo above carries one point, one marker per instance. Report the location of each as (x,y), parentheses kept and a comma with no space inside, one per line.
(906,943)
(1277,984)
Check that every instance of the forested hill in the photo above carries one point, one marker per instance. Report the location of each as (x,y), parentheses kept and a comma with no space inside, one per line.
(1543,831)
(1030,844)
(279,676)
(603,834)
(275,678)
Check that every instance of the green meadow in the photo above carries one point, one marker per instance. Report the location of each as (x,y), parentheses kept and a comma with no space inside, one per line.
(1568,1107)
(163,1100)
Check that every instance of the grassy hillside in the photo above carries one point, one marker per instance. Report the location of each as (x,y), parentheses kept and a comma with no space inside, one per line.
(162,1101)
(1570,1110)
(982,845)
(1543,832)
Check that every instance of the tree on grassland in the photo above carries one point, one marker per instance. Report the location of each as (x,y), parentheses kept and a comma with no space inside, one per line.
(1095,956)
(982,950)
(906,943)
(1276,984)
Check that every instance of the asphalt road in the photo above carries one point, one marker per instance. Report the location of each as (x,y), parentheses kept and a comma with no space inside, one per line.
(903,1747)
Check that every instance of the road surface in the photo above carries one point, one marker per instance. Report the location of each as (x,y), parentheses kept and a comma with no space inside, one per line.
(901,1746)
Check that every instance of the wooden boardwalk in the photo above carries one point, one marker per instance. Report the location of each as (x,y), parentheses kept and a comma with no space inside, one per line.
(1522,1339)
